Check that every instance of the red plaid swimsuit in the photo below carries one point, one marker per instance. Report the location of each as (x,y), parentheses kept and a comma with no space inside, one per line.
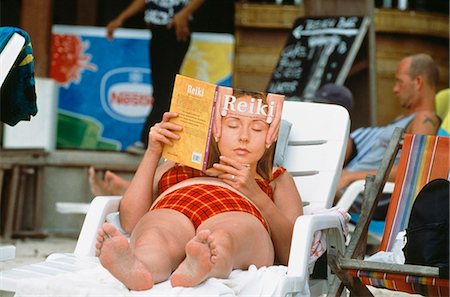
(200,201)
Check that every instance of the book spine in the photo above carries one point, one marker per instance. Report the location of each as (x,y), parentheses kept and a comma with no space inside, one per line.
(208,138)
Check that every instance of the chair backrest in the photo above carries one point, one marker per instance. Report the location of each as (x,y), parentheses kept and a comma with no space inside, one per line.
(442,102)
(423,158)
(442,109)
(316,149)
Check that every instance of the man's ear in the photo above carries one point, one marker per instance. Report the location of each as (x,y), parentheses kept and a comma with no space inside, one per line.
(419,81)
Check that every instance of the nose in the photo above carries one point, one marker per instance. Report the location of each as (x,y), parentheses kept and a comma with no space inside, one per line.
(243,139)
(243,136)
(395,88)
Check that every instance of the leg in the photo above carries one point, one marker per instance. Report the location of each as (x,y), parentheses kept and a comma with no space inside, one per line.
(224,242)
(166,57)
(155,249)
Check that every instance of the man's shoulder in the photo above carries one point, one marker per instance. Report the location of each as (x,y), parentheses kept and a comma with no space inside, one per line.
(424,122)
(426,114)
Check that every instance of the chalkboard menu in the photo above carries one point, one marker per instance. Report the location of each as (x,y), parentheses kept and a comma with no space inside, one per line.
(318,51)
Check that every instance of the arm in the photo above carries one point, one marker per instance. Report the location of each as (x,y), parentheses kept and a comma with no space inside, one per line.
(181,20)
(347,177)
(131,10)
(349,151)
(139,196)
(282,213)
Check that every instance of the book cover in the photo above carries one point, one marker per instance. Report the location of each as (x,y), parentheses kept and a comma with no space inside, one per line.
(198,105)
(194,101)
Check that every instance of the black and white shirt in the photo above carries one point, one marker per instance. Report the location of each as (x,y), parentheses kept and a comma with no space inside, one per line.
(160,12)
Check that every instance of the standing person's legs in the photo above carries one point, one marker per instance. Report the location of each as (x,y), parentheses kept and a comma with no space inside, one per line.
(166,57)
(224,242)
(155,248)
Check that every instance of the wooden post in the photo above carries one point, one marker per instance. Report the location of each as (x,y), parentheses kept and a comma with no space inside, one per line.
(36,17)
(11,203)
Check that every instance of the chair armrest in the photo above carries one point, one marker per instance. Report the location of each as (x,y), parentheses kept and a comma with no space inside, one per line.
(302,237)
(100,207)
(356,188)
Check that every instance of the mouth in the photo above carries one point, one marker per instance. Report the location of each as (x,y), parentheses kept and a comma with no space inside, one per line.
(241,151)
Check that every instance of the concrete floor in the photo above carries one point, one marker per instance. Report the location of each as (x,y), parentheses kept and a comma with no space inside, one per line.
(30,251)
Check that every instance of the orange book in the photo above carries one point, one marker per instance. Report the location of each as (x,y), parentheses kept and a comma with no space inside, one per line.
(195,102)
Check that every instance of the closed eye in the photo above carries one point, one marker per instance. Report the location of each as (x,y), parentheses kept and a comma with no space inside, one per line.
(259,126)
(232,123)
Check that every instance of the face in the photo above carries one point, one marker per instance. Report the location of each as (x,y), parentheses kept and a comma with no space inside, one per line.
(404,87)
(243,136)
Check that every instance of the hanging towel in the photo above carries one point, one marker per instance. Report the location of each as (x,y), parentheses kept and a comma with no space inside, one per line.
(18,95)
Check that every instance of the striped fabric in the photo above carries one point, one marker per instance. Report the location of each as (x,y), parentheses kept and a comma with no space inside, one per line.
(427,286)
(423,158)
(364,138)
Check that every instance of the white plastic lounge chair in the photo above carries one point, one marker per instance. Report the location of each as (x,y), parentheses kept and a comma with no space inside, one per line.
(314,156)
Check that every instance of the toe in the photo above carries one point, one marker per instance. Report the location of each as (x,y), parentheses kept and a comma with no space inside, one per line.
(110,230)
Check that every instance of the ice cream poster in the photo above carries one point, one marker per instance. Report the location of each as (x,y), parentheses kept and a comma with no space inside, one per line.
(105,87)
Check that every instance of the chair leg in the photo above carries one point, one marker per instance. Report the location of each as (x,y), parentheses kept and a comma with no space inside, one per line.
(11,202)
(354,284)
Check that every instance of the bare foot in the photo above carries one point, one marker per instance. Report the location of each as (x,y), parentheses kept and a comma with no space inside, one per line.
(111,184)
(198,263)
(117,257)
(98,186)
(116,184)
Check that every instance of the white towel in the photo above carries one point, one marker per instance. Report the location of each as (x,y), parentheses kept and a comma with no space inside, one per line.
(98,282)
(319,243)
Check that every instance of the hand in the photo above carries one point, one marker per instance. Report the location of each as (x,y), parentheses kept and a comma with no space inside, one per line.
(163,133)
(181,23)
(274,126)
(111,27)
(239,176)
(217,127)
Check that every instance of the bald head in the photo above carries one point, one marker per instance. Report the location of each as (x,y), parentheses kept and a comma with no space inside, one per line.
(424,65)
(416,80)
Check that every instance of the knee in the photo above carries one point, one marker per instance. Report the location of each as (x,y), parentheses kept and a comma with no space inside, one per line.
(149,237)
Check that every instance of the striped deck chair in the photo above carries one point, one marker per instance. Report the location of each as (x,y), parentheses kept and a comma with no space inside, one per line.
(423,158)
